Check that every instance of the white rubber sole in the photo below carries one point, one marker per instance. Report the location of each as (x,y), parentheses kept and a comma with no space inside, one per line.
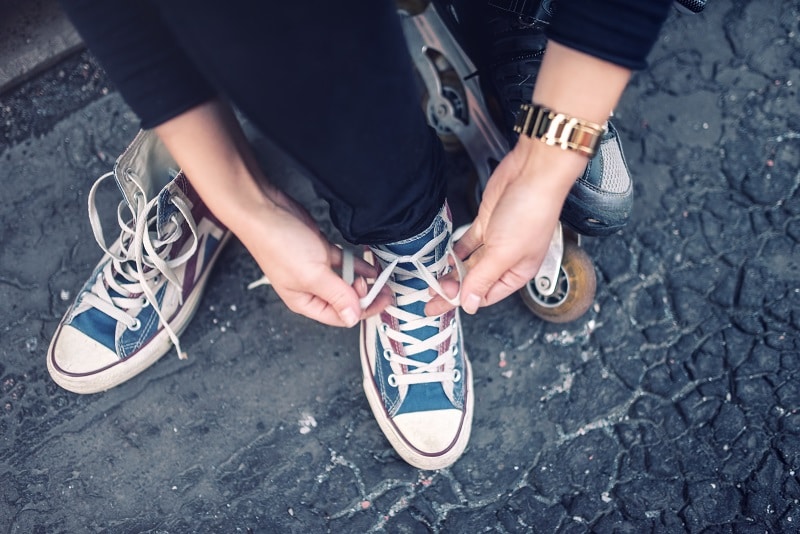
(156,348)
(416,458)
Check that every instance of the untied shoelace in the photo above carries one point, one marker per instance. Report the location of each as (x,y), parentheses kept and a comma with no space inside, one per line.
(141,261)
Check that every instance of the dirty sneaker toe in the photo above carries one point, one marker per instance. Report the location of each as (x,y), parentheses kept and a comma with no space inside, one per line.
(147,286)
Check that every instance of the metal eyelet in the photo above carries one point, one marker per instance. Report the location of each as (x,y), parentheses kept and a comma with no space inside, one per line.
(137,324)
(392,380)
(456,375)
(455,350)
(387,355)
(384,327)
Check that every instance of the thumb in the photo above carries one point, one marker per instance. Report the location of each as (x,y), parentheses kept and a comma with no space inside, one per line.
(341,297)
(480,279)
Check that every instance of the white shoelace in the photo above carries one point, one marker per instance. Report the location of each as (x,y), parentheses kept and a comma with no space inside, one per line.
(408,370)
(141,261)
(419,372)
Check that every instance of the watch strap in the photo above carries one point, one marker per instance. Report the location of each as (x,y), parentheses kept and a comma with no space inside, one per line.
(558,129)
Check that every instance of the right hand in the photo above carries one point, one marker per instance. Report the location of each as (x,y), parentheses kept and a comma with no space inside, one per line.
(299,263)
(209,145)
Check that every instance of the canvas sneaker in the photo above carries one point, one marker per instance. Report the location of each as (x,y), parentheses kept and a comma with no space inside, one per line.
(417,377)
(147,286)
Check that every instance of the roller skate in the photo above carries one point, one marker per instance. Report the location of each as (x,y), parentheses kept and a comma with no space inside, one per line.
(474,109)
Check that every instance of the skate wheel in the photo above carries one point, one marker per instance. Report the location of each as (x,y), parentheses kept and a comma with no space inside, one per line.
(452,91)
(575,288)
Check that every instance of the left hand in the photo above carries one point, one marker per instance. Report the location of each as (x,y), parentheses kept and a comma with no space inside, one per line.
(509,238)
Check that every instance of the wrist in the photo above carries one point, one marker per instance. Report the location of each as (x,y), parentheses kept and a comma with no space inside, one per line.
(238,201)
(549,169)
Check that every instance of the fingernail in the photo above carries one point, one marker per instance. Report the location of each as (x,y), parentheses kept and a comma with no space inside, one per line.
(471,304)
(349,317)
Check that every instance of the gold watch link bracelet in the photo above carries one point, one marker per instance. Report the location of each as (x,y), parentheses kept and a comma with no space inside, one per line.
(558,129)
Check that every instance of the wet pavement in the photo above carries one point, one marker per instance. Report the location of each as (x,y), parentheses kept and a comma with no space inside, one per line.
(672,406)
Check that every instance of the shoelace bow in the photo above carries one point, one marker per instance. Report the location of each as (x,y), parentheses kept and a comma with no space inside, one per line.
(411,371)
(141,261)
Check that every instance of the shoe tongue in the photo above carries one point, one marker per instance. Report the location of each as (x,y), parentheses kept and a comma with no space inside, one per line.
(145,167)
(411,246)
(164,208)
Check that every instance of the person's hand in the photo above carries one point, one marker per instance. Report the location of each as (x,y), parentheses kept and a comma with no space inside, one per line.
(299,263)
(209,145)
(508,240)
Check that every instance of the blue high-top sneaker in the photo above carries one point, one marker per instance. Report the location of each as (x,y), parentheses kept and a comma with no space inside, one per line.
(417,376)
(148,285)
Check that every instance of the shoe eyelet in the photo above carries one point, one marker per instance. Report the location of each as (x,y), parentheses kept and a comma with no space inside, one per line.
(455,350)
(145,304)
(128,175)
(384,327)
(387,355)
(137,324)
(456,375)
(392,380)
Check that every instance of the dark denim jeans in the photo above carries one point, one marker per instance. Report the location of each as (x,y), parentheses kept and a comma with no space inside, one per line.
(329,82)
(333,85)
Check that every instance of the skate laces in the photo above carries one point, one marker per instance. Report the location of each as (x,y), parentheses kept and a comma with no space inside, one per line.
(406,369)
(140,261)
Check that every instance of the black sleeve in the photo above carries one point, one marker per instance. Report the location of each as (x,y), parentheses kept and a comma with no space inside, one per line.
(620,31)
(137,50)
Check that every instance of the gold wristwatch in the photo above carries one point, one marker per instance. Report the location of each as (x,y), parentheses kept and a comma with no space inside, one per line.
(557,129)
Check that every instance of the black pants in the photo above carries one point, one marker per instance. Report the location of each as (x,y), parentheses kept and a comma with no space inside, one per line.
(333,85)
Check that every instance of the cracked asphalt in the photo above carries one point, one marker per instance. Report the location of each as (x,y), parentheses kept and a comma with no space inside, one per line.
(672,406)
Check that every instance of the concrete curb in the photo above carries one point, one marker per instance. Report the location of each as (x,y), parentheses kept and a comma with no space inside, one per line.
(34,35)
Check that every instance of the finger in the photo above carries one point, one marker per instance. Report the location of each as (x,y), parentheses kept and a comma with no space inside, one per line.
(485,273)
(438,304)
(337,300)
(360,267)
(469,242)
(509,283)
(450,285)
(365,269)
(382,300)
(361,287)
